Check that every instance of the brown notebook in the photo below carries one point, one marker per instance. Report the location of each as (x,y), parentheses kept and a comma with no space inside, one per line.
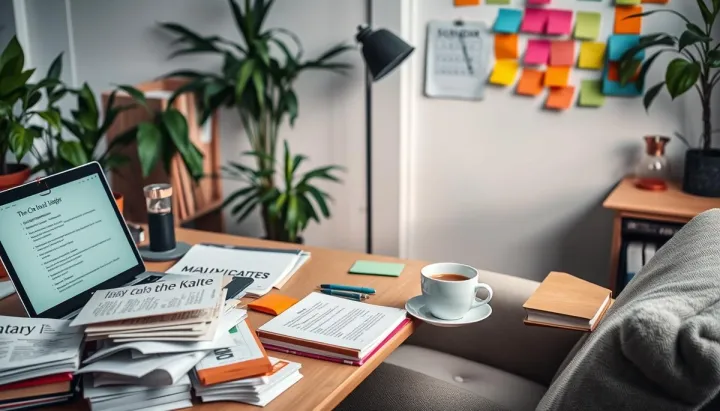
(565,301)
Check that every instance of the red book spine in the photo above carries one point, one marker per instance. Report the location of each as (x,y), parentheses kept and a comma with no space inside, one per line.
(48,379)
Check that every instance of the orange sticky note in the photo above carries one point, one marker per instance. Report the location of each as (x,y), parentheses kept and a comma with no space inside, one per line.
(614,72)
(466,2)
(273,304)
(628,26)
(562,53)
(506,46)
(531,83)
(557,76)
(560,98)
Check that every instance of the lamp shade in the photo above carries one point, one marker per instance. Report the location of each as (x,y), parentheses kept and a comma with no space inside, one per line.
(382,50)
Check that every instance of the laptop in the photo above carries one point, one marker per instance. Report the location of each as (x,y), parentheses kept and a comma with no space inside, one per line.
(62,238)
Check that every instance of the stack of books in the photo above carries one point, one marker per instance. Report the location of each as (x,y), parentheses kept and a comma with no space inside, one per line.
(37,360)
(334,329)
(243,372)
(258,390)
(565,301)
(149,336)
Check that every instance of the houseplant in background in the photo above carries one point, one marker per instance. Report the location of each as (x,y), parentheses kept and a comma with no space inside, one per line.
(695,66)
(257,80)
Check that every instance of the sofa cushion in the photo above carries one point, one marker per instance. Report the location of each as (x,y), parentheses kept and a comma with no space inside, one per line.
(508,390)
(394,388)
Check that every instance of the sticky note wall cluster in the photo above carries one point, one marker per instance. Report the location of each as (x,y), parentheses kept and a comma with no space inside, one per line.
(560,41)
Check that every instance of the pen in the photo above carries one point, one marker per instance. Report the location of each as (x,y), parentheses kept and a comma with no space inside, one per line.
(363,290)
(345,294)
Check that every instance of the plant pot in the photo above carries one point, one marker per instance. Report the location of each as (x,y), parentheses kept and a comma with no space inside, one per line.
(19,173)
(119,200)
(702,173)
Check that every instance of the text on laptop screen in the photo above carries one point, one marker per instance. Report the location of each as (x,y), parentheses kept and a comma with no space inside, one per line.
(65,241)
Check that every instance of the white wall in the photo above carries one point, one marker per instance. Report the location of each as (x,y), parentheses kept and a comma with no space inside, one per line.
(119,42)
(504,185)
(7,22)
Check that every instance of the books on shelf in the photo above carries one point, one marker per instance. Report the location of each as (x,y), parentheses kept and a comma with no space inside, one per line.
(637,254)
(332,328)
(565,301)
(268,267)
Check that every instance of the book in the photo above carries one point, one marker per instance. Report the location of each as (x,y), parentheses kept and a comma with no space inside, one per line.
(49,379)
(633,261)
(332,326)
(133,397)
(246,358)
(268,267)
(565,301)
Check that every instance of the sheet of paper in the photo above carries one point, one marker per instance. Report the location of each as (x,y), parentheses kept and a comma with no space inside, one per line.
(535,20)
(538,52)
(504,72)
(6,289)
(557,76)
(560,98)
(28,341)
(587,25)
(245,348)
(508,21)
(592,55)
(531,82)
(559,22)
(173,366)
(506,46)
(626,25)
(562,53)
(591,94)
(621,43)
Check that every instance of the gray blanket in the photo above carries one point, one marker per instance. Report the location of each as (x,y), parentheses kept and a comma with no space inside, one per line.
(658,348)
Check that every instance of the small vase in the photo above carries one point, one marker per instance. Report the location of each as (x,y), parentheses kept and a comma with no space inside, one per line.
(702,173)
(653,170)
(19,173)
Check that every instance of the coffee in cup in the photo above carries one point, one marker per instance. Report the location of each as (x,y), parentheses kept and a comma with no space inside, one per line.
(450,289)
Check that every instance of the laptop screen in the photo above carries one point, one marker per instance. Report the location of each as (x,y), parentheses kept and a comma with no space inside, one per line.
(65,241)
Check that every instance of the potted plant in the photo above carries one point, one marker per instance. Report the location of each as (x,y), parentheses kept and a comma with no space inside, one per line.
(257,80)
(694,67)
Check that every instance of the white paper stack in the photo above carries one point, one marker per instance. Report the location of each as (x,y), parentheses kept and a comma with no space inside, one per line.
(260,390)
(137,397)
(37,357)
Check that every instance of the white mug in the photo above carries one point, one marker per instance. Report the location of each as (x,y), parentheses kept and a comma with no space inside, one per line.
(451,299)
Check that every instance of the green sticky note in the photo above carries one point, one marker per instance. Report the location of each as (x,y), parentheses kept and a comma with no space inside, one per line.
(627,2)
(376,268)
(587,25)
(497,1)
(591,94)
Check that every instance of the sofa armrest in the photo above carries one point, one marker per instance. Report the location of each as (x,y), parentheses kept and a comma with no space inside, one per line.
(502,340)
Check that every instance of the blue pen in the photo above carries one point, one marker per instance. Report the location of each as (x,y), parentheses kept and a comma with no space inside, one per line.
(364,290)
(345,294)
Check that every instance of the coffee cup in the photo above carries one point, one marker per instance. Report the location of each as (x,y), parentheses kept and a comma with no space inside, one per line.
(450,289)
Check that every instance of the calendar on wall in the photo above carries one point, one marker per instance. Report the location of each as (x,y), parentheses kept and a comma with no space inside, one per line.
(457,60)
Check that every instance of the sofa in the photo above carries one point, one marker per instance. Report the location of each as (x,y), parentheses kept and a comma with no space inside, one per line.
(657,348)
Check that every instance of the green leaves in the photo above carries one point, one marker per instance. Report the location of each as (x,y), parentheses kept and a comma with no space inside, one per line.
(651,94)
(136,94)
(52,118)
(12,59)
(149,141)
(680,76)
(707,15)
(176,128)
(714,58)
(20,140)
(73,152)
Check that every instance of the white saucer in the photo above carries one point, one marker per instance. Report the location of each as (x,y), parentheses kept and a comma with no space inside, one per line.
(417,308)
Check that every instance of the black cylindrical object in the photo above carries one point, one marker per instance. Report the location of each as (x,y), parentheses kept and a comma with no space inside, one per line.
(702,173)
(161,224)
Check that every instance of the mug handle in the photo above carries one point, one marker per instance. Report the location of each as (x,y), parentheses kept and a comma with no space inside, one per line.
(478,302)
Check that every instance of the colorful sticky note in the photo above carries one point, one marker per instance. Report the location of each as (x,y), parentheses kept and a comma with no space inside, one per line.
(506,46)
(368,267)
(557,76)
(614,88)
(534,21)
(619,44)
(627,2)
(613,72)
(587,25)
(536,2)
(656,1)
(508,21)
(625,25)
(591,94)
(538,52)
(560,98)
(504,72)
(559,22)
(592,55)
(562,53)
(497,1)
(531,83)
(459,3)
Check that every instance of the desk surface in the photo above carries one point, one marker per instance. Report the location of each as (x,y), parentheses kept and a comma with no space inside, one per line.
(324,384)
(671,203)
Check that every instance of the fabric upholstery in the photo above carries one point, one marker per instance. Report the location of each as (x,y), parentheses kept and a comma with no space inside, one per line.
(658,348)
(502,341)
(394,388)
(508,390)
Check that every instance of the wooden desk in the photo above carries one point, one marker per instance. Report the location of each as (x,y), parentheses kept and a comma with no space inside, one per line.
(672,205)
(324,384)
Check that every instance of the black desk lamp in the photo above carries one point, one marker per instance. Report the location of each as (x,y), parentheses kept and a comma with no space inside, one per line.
(382,51)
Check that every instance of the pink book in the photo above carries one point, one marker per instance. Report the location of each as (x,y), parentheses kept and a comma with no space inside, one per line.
(339,360)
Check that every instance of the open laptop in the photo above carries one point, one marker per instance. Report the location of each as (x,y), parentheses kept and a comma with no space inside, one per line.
(62,238)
